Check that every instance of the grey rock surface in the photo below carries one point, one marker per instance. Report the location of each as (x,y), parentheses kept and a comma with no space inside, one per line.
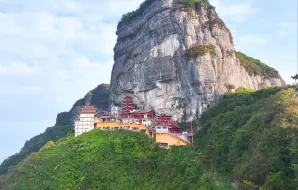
(152,66)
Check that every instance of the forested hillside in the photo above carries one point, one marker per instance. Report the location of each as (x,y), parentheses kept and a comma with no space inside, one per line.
(253,136)
(35,143)
(250,138)
(63,126)
(110,160)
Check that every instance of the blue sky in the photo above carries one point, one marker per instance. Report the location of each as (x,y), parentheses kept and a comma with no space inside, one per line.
(52,52)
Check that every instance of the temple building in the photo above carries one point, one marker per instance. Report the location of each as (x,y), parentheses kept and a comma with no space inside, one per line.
(160,127)
(85,121)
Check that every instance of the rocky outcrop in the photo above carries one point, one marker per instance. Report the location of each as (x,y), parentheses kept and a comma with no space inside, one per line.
(178,60)
(98,97)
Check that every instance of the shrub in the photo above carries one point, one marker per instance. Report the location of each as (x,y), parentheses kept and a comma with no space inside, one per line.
(130,15)
(199,50)
(188,3)
(256,67)
(191,3)
(48,145)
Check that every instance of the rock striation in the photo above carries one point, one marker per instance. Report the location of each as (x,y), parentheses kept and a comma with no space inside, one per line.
(178,59)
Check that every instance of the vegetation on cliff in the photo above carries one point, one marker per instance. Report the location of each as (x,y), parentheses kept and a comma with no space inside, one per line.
(199,50)
(130,15)
(256,67)
(100,98)
(110,160)
(142,8)
(191,3)
(253,136)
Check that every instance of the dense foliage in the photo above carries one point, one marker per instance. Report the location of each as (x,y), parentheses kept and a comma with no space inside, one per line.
(255,66)
(253,136)
(130,15)
(189,3)
(34,145)
(110,160)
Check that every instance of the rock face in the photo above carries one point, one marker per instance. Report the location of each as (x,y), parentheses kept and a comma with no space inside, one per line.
(178,60)
(99,97)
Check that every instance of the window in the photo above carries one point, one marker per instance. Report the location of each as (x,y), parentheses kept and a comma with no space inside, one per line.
(163,145)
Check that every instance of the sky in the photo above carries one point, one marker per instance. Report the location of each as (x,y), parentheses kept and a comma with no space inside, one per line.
(53,52)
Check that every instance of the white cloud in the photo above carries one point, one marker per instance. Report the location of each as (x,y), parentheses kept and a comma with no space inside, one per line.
(67,45)
(18,68)
(236,12)
(51,53)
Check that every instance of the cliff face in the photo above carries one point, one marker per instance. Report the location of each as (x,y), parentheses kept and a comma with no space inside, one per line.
(178,59)
(98,97)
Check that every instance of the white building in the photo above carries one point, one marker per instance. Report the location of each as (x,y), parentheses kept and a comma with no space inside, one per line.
(162,129)
(147,122)
(115,110)
(86,119)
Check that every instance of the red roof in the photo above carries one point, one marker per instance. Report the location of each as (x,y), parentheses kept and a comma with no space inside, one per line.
(88,109)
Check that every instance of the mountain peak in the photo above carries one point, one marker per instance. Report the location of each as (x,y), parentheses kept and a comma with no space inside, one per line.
(178,57)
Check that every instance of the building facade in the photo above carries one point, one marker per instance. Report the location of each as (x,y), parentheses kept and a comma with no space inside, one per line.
(161,128)
(85,121)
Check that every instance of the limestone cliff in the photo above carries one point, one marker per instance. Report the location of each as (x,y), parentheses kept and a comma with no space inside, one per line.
(179,58)
(98,97)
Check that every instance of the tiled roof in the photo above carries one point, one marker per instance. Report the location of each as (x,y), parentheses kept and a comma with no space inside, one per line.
(89,109)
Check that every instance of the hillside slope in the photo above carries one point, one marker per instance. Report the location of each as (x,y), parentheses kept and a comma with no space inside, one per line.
(34,144)
(253,136)
(250,136)
(63,126)
(109,160)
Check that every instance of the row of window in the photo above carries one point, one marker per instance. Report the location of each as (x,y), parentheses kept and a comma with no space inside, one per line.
(124,128)
(87,115)
(86,119)
(84,123)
